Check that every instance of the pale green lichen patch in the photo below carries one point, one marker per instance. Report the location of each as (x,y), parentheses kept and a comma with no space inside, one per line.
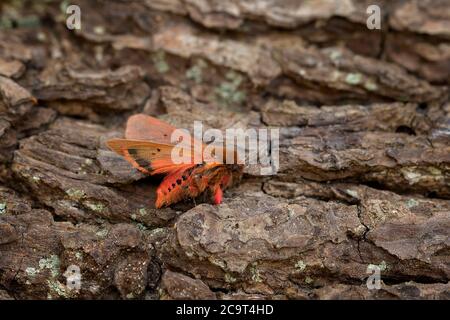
(228,91)
(410,175)
(141,227)
(371,86)
(161,293)
(382,266)
(335,55)
(411,203)
(353,78)
(2,208)
(360,230)
(195,72)
(142,211)
(52,263)
(229,278)
(218,262)
(78,255)
(254,272)
(95,206)
(159,61)
(6,23)
(291,211)
(102,233)
(157,232)
(133,216)
(32,272)
(86,164)
(300,266)
(57,288)
(309,280)
(64,5)
(414,174)
(435,171)
(75,194)
(11,19)
(36,179)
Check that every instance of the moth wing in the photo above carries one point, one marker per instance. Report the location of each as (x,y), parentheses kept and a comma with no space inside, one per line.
(146,156)
(143,127)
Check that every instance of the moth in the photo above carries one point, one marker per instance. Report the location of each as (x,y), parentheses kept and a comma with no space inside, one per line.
(147,147)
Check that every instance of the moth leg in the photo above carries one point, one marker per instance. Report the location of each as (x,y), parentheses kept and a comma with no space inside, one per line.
(218,195)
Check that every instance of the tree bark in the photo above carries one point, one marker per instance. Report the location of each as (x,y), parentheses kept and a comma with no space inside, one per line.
(364,172)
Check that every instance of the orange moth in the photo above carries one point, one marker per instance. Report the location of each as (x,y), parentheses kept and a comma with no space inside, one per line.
(147,147)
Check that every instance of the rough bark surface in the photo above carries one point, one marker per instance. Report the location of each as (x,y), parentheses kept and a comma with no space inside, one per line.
(364,175)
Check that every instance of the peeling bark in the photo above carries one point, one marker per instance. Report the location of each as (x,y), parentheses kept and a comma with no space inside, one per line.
(364,122)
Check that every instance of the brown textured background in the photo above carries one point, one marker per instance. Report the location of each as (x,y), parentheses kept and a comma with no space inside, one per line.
(364,151)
